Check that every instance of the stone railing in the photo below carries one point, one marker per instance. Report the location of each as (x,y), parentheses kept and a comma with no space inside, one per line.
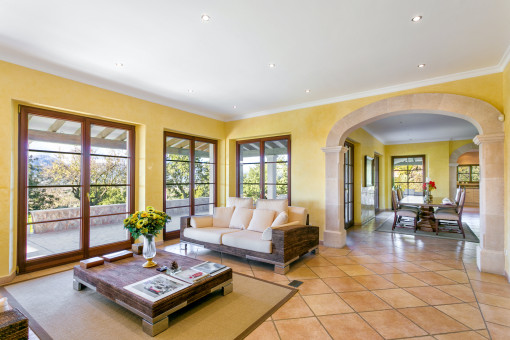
(64,213)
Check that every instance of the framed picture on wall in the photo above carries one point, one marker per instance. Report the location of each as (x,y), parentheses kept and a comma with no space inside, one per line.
(369,171)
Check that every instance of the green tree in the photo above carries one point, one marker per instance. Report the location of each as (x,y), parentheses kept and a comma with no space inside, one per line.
(38,199)
(178,177)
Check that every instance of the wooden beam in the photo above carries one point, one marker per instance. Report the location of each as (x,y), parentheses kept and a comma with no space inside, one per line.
(105,133)
(56,125)
(122,136)
(52,137)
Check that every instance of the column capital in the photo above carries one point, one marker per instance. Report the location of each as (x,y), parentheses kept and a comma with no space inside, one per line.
(489,138)
(335,149)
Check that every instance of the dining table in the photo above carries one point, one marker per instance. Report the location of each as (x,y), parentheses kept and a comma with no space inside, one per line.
(427,221)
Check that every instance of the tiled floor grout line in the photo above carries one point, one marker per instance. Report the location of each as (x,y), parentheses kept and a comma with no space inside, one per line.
(477,302)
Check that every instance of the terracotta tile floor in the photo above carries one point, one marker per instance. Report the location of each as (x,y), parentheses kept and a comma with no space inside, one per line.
(384,286)
(379,286)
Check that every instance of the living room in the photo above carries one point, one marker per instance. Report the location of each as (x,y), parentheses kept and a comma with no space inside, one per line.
(315,178)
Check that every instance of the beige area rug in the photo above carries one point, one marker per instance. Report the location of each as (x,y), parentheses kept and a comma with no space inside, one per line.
(55,310)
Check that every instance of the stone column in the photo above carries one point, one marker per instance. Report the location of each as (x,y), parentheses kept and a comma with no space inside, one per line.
(490,252)
(334,233)
(453,180)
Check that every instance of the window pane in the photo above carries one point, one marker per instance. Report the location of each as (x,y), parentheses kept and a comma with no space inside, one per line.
(475,169)
(176,214)
(415,189)
(105,140)
(399,176)
(416,176)
(204,193)
(177,172)
(463,177)
(276,151)
(53,169)
(463,169)
(250,153)
(107,229)
(109,198)
(204,152)
(177,149)
(207,209)
(250,190)
(475,177)
(51,134)
(46,204)
(52,238)
(177,195)
(108,170)
(251,173)
(276,191)
(276,173)
(204,173)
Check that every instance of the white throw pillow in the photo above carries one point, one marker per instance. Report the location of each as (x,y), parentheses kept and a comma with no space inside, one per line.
(262,218)
(282,218)
(298,214)
(240,202)
(267,235)
(222,216)
(277,205)
(241,218)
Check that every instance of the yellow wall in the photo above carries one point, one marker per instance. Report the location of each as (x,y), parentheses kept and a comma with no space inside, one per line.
(308,127)
(23,85)
(365,145)
(506,97)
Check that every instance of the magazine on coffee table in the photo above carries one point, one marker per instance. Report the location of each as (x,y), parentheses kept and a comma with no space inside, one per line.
(210,268)
(156,287)
(190,275)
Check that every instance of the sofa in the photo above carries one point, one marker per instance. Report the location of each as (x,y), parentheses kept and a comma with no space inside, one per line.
(273,232)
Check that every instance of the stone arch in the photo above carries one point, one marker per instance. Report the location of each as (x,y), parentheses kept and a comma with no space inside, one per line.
(484,116)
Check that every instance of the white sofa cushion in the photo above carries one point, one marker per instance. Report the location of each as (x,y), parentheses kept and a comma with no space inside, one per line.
(297,214)
(247,239)
(240,202)
(241,218)
(262,218)
(267,235)
(277,205)
(210,235)
(222,217)
(282,218)
(201,221)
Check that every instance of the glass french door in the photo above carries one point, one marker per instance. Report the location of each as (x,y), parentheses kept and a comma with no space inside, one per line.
(409,174)
(76,186)
(349,185)
(190,178)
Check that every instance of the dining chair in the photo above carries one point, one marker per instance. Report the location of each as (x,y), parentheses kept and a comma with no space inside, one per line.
(452,214)
(403,212)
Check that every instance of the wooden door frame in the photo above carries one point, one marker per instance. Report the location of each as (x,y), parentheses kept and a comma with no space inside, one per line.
(24,265)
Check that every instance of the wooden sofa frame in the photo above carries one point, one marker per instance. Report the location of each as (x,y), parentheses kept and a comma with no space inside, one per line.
(289,243)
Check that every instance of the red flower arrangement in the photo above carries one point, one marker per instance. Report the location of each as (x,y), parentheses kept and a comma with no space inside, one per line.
(431,185)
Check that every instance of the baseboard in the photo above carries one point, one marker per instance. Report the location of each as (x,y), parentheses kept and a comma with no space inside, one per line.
(6,279)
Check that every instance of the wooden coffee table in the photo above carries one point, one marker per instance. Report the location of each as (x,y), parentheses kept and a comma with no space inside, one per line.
(110,278)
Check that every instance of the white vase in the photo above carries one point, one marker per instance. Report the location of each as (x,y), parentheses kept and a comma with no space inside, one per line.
(149,250)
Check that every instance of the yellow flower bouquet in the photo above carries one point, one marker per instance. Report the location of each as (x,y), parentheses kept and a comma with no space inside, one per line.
(146,222)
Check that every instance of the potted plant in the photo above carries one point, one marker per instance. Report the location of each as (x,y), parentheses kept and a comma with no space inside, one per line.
(147,223)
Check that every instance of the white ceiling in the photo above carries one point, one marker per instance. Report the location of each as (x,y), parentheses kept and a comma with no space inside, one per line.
(339,49)
(420,128)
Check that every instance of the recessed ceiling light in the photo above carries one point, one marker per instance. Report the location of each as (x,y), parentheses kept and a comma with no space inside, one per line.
(119,64)
(205,17)
(307,90)
(190,90)
(272,65)
(421,66)
(235,107)
(416,18)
